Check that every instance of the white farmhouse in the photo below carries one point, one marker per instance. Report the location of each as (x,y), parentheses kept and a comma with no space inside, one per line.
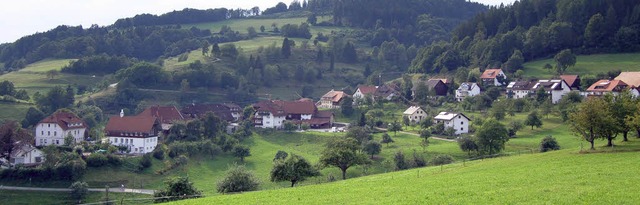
(26,154)
(556,88)
(467,90)
(493,77)
(273,114)
(53,129)
(363,91)
(138,133)
(458,121)
(415,114)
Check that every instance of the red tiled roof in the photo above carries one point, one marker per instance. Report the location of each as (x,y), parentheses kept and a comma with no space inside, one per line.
(297,107)
(570,79)
(607,86)
(223,111)
(130,124)
(365,89)
(631,78)
(490,73)
(334,96)
(166,114)
(65,120)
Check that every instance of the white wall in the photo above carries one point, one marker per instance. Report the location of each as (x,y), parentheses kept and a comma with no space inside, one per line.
(52,134)
(270,121)
(459,123)
(136,145)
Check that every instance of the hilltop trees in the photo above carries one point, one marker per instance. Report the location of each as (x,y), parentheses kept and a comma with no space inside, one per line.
(293,169)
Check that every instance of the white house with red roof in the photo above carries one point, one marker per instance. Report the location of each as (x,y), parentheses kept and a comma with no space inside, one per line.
(363,91)
(331,100)
(53,129)
(492,77)
(274,113)
(138,133)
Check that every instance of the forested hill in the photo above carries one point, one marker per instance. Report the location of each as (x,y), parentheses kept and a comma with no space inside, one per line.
(531,29)
(149,37)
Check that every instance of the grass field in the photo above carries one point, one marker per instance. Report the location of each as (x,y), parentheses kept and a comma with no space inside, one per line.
(9,197)
(587,64)
(241,25)
(33,78)
(13,111)
(560,177)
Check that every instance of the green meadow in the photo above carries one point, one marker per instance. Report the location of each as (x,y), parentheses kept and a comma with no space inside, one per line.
(587,64)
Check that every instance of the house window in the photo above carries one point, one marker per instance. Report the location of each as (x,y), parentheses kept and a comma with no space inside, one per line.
(48,133)
(462,123)
(462,128)
(49,125)
(55,133)
(57,141)
(116,140)
(41,132)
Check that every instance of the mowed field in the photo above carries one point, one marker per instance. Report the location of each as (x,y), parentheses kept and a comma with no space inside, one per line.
(241,25)
(33,78)
(10,197)
(587,64)
(558,177)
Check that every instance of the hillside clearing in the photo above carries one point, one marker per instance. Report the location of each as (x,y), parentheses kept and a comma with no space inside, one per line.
(555,177)
(587,64)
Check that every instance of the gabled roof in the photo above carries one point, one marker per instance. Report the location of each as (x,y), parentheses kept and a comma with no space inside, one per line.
(281,108)
(570,79)
(467,86)
(607,86)
(411,110)
(631,78)
(165,114)
(386,90)
(449,116)
(223,111)
(490,73)
(365,89)
(548,85)
(131,124)
(520,85)
(334,96)
(66,120)
(432,83)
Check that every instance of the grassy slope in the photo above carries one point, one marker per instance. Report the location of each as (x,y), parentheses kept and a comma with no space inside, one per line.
(556,177)
(241,25)
(590,64)
(28,198)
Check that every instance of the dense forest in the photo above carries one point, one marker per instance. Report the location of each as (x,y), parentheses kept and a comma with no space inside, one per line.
(532,29)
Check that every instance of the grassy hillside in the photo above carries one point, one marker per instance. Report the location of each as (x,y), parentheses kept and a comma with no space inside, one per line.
(587,64)
(559,177)
(241,25)
(33,78)
(27,198)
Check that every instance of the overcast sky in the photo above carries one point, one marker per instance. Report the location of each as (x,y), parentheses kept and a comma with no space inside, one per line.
(24,17)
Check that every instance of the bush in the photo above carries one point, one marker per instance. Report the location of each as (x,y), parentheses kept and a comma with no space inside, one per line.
(418,160)
(97,160)
(442,159)
(238,179)
(177,189)
(549,143)
(145,162)
(158,154)
(398,159)
(79,190)
(114,160)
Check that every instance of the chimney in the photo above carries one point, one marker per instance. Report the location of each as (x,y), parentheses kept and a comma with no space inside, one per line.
(121,112)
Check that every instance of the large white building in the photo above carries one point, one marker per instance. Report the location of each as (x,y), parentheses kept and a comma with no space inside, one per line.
(138,133)
(467,90)
(458,121)
(53,129)
(556,88)
(415,114)
(273,114)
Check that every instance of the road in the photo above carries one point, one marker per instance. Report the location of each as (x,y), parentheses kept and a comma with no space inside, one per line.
(116,189)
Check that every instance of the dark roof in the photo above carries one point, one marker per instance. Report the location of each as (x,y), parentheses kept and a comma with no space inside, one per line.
(521,85)
(386,90)
(297,107)
(65,120)
(432,83)
(165,114)
(130,124)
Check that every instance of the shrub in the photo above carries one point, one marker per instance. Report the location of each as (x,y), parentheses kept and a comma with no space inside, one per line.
(177,189)
(398,159)
(114,160)
(549,143)
(158,154)
(79,190)
(418,160)
(145,162)
(238,179)
(97,160)
(442,159)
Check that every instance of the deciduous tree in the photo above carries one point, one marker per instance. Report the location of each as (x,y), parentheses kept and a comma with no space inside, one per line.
(293,169)
(591,120)
(343,153)
(533,120)
(491,137)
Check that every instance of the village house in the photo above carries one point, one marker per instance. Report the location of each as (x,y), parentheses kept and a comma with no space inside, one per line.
(438,87)
(603,87)
(363,91)
(53,129)
(556,88)
(493,77)
(572,80)
(26,154)
(226,111)
(166,115)
(387,91)
(331,100)
(138,133)
(415,114)
(274,113)
(467,90)
(457,121)
(630,78)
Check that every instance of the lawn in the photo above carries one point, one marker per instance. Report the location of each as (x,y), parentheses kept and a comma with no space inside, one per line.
(9,197)
(241,25)
(559,177)
(13,111)
(587,64)
(33,78)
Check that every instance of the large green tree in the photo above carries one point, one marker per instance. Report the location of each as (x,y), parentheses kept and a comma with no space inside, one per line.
(533,120)
(491,137)
(293,169)
(592,120)
(564,59)
(343,153)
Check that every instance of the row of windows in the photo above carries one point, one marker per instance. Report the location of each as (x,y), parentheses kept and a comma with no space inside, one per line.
(44,141)
(55,133)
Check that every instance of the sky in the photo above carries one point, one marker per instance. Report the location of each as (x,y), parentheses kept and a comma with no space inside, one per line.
(24,17)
